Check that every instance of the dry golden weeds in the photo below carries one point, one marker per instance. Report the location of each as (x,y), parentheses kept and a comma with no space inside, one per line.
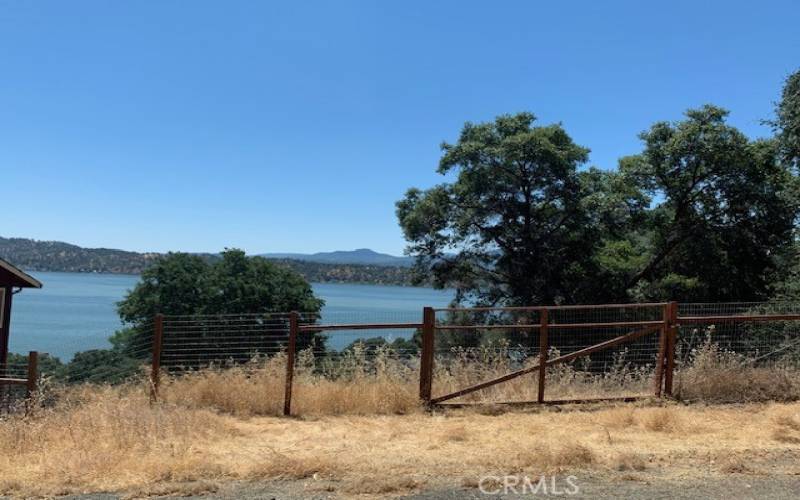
(735,465)
(287,466)
(220,425)
(786,425)
(257,388)
(113,440)
(713,375)
(94,437)
(377,383)
(192,488)
(572,455)
(382,485)
(660,420)
(458,433)
(629,461)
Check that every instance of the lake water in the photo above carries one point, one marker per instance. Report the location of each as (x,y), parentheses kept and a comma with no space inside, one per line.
(76,312)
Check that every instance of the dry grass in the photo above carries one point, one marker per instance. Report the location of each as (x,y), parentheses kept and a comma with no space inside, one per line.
(113,440)
(378,383)
(786,426)
(372,383)
(564,381)
(735,465)
(718,376)
(629,461)
(662,420)
(95,437)
(354,385)
(219,425)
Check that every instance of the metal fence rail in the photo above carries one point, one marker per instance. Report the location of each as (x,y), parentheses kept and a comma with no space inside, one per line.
(761,333)
(465,355)
(457,356)
(188,344)
(19,377)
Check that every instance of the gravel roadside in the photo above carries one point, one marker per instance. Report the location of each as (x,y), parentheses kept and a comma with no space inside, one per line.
(590,486)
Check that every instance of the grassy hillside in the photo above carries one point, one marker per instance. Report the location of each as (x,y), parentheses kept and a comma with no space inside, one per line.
(36,255)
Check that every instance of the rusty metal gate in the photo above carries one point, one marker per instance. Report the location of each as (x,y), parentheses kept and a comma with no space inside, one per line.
(537,340)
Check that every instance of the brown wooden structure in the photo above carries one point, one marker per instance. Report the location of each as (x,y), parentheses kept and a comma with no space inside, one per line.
(12,280)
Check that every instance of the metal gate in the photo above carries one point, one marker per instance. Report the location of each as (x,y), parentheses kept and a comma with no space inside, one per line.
(538,340)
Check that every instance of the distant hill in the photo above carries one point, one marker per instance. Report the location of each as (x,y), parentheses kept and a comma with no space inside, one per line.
(359,256)
(33,255)
(321,272)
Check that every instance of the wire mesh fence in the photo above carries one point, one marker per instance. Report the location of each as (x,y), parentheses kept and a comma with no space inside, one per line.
(726,350)
(14,370)
(198,342)
(192,342)
(19,379)
(323,358)
(475,345)
(334,360)
(128,359)
(765,333)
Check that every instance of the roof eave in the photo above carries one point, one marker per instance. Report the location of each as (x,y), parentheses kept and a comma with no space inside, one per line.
(25,279)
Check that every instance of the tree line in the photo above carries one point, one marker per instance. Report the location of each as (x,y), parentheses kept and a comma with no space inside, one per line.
(702,213)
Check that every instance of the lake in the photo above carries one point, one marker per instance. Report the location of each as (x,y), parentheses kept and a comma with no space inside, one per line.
(77,311)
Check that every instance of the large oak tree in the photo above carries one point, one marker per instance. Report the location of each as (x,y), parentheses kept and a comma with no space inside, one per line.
(724,210)
(787,121)
(519,224)
(703,213)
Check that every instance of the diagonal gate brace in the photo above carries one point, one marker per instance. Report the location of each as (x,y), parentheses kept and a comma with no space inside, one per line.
(629,337)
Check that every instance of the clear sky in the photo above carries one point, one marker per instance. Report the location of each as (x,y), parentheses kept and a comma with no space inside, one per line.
(295,126)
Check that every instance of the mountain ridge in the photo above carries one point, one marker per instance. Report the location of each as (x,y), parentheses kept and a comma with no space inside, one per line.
(358,256)
(35,255)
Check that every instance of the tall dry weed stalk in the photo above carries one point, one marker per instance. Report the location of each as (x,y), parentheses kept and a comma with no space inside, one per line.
(361,381)
(712,374)
(355,382)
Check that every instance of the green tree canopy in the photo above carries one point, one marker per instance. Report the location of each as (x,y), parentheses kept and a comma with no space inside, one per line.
(234,284)
(725,209)
(703,213)
(787,122)
(519,224)
(786,126)
(185,284)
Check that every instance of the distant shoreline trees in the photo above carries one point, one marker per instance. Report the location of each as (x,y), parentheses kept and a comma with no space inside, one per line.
(57,256)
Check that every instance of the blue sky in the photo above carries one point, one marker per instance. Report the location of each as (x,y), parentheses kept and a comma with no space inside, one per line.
(295,126)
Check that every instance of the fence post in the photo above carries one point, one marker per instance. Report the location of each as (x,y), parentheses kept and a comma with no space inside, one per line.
(155,367)
(662,351)
(544,345)
(33,373)
(426,359)
(672,340)
(290,350)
